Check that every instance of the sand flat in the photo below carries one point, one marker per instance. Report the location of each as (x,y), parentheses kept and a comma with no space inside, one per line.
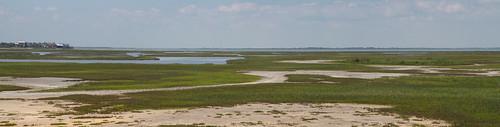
(41,82)
(423,69)
(439,70)
(254,115)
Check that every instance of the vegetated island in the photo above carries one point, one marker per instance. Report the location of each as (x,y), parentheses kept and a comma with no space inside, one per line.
(26,44)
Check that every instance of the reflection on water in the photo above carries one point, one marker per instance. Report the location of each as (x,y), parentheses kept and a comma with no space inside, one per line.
(161,60)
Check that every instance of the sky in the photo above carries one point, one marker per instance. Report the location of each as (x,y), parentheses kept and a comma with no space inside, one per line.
(253,23)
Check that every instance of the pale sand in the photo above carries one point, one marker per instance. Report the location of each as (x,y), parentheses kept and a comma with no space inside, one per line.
(26,107)
(423,69)
(280,76)
(40,83)
(267,77)
(256,115)
(489,73)
(309,61)
(427,69)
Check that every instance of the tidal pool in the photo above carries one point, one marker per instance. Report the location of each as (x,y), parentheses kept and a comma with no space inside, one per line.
(161,60)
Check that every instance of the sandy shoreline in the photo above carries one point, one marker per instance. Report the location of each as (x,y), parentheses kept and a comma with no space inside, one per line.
(255,114)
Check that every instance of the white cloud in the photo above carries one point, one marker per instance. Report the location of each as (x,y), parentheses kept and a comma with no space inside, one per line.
(51,9)
(398,9)
(19,19)
(127,12)
(310,4)
(55,17)
(3,12)
(155,10)
(188,9)
(352,5)
(488,1)
(451,8)
(48,12)
(441,6)
(37,9)
(45,9)
(237,7)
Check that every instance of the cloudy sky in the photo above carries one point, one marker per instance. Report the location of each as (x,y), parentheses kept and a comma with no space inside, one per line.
(254,24)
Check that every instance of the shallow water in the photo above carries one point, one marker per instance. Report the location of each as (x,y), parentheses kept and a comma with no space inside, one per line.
(42,53)
(135,54)
(161,60)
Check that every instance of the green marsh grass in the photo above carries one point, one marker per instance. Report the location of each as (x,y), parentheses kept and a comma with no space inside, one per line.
(463,101)
(11,88)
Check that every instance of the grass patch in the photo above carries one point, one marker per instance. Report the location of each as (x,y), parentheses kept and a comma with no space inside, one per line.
(69,54)
(11,88)
(464,101)
(128,76)
(58,124)
(8,124)
(183,79)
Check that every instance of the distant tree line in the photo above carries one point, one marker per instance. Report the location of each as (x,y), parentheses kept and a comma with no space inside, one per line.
(34,45)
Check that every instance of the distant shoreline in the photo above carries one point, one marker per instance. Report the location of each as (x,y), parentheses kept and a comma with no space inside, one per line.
(292,49)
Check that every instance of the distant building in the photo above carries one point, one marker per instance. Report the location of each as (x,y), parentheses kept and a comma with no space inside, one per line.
(25,44)
(59,45)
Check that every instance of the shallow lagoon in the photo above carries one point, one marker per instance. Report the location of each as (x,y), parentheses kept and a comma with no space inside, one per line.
(161,60)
